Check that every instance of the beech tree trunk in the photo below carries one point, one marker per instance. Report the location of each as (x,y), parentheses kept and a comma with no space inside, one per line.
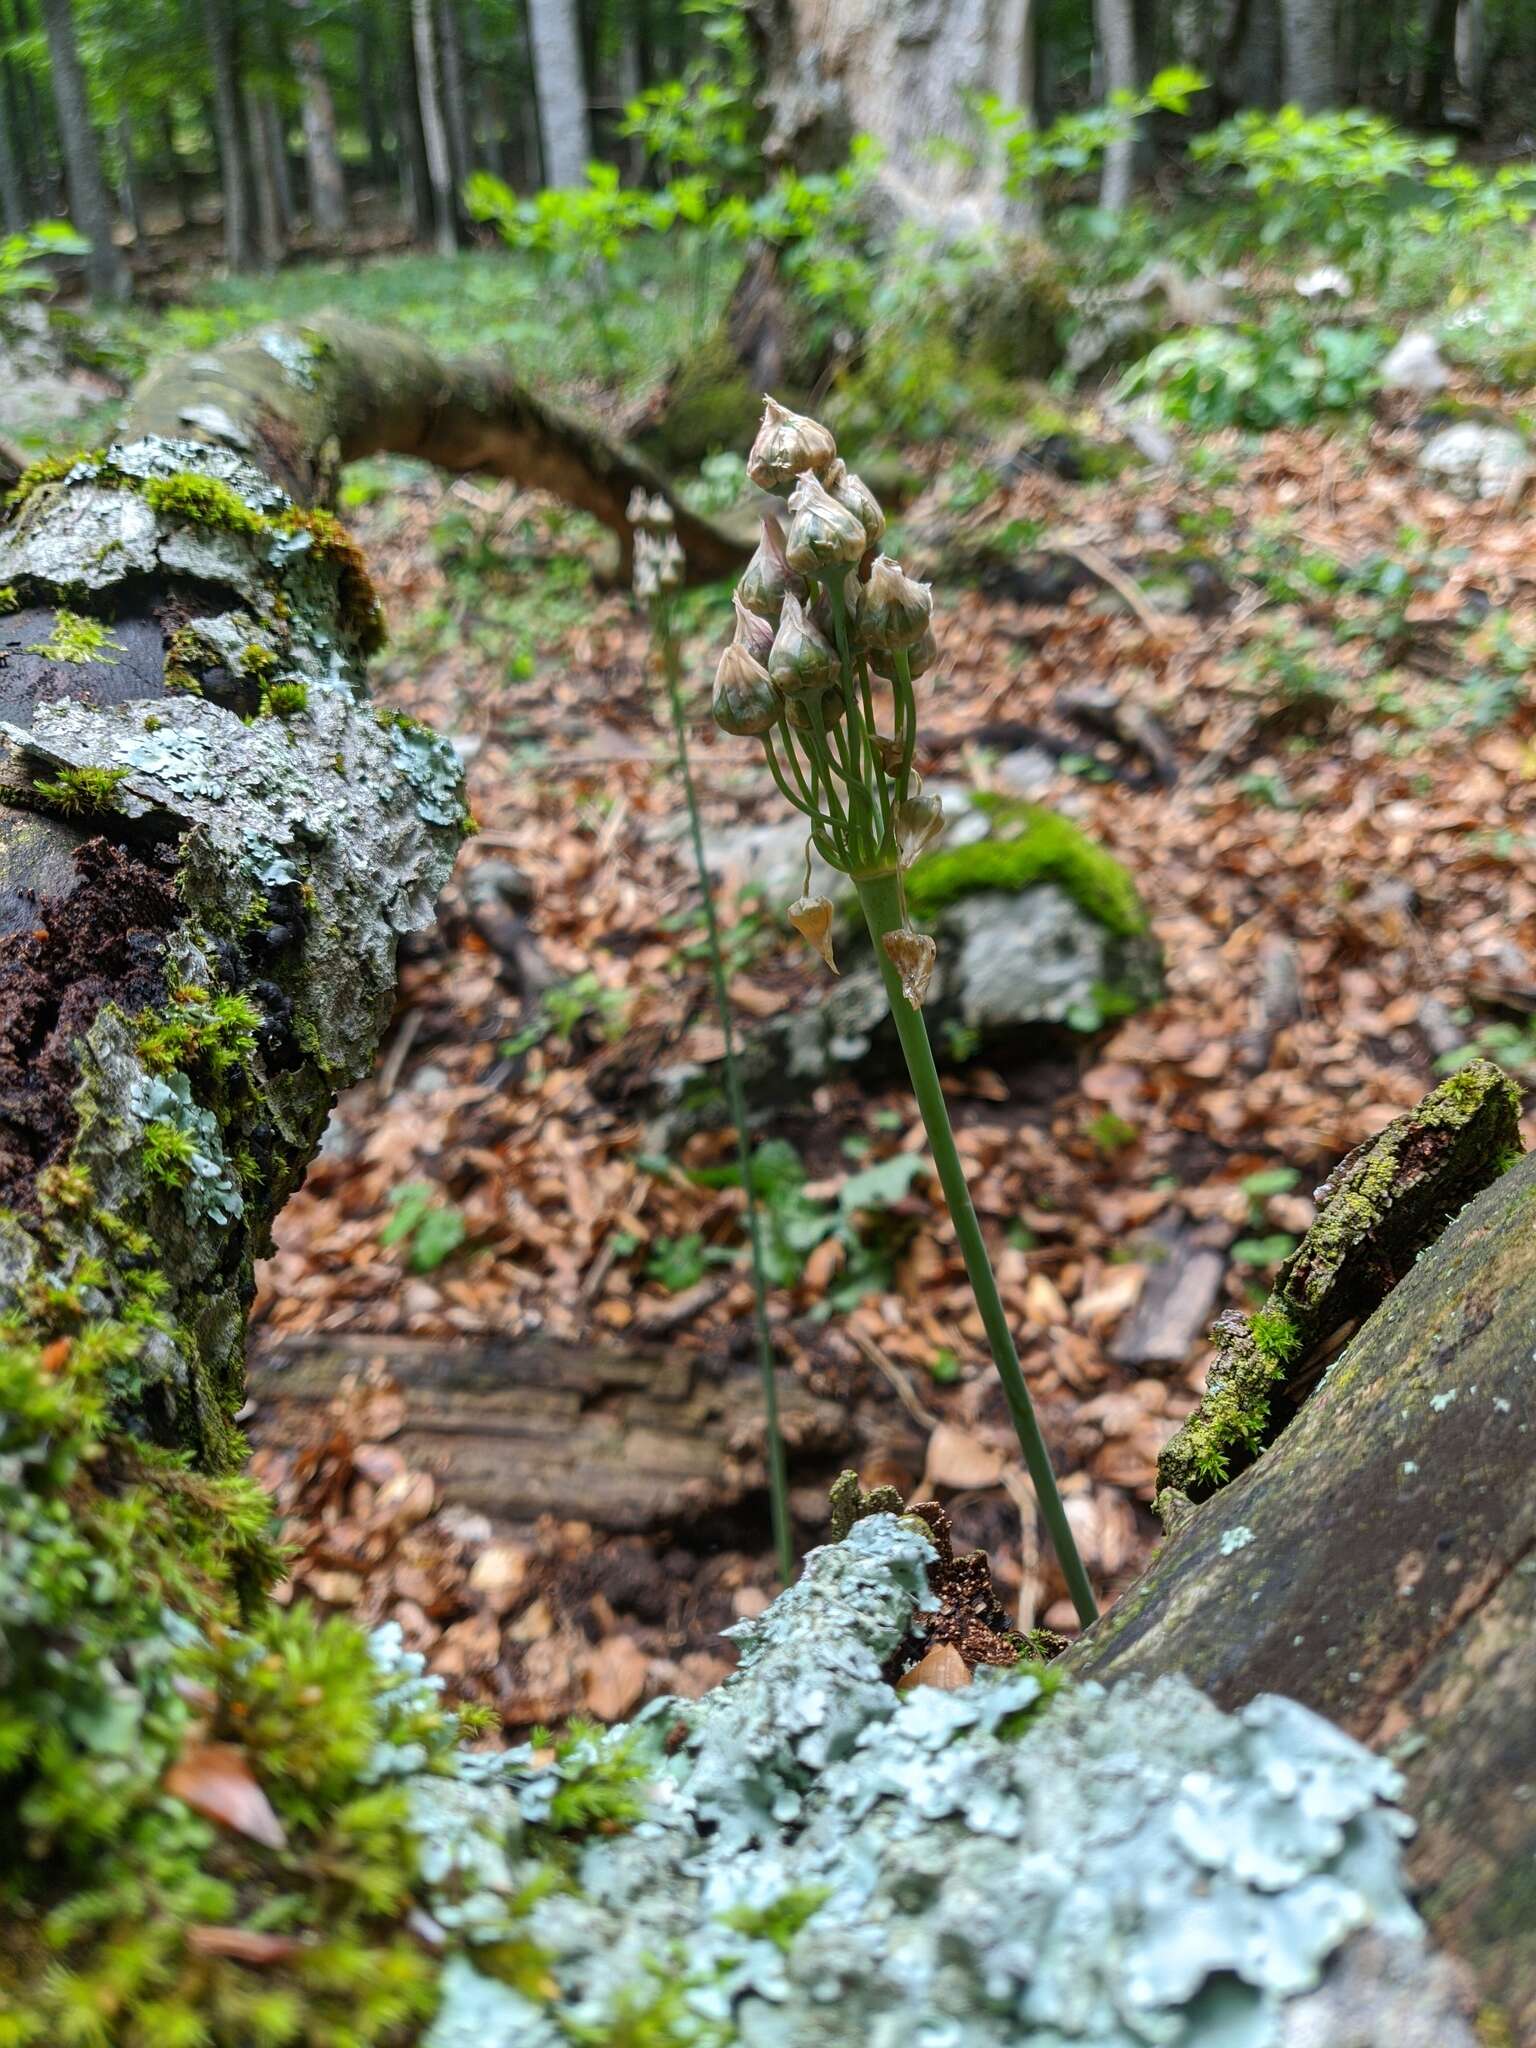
(89,202)
(235,161)
(264,124)
(905,72)
(445,212)
(1116,20)
(1308,28)
(13,196)
(322,157)
(560,84)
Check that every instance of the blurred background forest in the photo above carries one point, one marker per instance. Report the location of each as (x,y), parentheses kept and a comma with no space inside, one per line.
(1190,350)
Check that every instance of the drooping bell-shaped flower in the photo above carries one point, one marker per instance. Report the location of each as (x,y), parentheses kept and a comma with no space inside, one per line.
(855,496)
(893,609)
(787,444)
(753,633)
(921,656)
(801,658)
(811,917)
(916,823)
(822,533)
(912,954)
(766,577)
(745,700)
(797,710)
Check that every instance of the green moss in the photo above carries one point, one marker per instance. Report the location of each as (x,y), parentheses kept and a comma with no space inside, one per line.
(77,640)
(10,600)
(1040,846)
(284,700)
(79,791)
(195,500)
(217,1032)
(49,469)
(782,1919)
(257,662)
(357,602)
(1275,1336)
(170,1154)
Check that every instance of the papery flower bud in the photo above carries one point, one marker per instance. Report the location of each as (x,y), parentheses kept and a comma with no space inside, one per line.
(855,496)
(893,609)
(797,710)
(745,701)
(787,443)
(646,511)
(766,576)
(912,954)
(821,533)
(891,752)
(921,656)
(916,823)
(811,917)
(753,633)
(801,658)
(659,562)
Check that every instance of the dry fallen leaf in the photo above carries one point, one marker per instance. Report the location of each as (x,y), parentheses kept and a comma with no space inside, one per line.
(943,1668)
(215,1780)
(243,1944)
(614,1680)
(959,1460)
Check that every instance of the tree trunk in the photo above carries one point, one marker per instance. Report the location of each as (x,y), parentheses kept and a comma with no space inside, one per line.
(370,61)
(906,75)
(1309,28)
(411,147)
(458,114)
(175,164)
(265,128)
(327,182)
(445,212)
(1437,64)
(1116,23)
(14,213)
(560,86)
(89,204)
(1471,47)
(235,165)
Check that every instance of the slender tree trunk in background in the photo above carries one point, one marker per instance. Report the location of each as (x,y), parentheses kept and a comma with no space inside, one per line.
(411,161)
(127,179)
(370,62)
(445,230)
(89,205)
(13,196)
(1016,87)
(234,141)
(175,163)
(322,157)
(1116,25)
(1438,64)
(1311,64)
(261,120)
(458,115)
(564,128)
(1471,44)
(628,82)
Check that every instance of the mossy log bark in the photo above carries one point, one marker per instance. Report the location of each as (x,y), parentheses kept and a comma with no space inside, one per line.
(1379,1564)
(299,401)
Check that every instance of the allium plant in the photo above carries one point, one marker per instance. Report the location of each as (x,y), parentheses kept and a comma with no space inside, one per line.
(830,637)
(658,573)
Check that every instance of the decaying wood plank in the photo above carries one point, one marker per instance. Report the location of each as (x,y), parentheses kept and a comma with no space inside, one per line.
(629,1440)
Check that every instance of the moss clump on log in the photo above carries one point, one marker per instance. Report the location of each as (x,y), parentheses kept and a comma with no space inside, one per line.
(1377,1212)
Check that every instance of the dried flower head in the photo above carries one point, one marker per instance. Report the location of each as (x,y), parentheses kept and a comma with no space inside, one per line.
(811,917)
(916,822)
(755,634)
(745,700)
(787,443)
(892,752)
(893,609)
(912,954)
(855,496)
(801,658)
(822,533)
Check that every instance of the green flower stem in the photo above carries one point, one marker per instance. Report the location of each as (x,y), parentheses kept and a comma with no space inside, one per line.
(879,896)
(778,1477)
